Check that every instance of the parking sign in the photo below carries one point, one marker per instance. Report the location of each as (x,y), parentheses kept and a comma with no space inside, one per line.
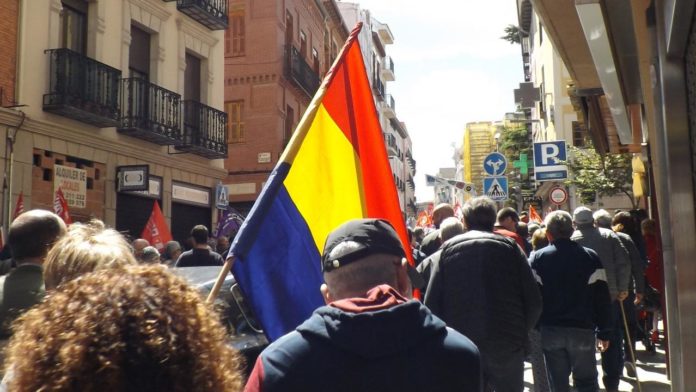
(548,160)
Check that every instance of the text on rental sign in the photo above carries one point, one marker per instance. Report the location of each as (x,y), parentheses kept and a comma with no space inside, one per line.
(73,183)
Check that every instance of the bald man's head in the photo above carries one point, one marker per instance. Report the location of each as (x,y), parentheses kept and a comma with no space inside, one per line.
(33,233)
(442,212)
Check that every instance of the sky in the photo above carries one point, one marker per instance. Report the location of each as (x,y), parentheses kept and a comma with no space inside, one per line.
(451,68)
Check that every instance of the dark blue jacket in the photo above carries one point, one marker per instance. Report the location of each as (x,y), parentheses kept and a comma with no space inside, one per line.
(402,348)
(573,286)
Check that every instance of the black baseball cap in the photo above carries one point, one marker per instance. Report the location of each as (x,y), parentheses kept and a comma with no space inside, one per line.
(370,236)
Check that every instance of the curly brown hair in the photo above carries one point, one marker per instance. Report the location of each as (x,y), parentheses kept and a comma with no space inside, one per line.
(140,328)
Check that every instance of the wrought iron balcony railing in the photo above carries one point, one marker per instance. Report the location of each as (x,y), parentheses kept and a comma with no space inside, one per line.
(297,69)
(205,131)
(82,88)
(150,112)
(378,88)
(210,13)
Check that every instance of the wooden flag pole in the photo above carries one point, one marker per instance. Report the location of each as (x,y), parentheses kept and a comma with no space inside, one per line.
(220,279)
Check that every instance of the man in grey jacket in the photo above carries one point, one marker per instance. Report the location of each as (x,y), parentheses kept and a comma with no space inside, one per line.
(614,258)
(484,288)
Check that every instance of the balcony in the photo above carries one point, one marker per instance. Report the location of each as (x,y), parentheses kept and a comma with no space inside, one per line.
(378,88)
(297,70)
(388,69)
(411,183)
(205,131)
(150,112)
(82,89)
(392,148)
(383,31)
(389,106)
(210,13)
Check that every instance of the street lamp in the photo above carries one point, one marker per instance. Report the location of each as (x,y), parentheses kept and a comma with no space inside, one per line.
(497,141)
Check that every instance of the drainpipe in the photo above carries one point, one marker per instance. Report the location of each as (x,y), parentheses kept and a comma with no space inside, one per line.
(10,137)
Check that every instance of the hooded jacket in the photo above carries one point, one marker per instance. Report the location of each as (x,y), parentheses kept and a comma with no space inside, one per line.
(378,343)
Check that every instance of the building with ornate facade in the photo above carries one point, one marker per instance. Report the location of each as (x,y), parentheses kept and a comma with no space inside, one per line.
(102,86)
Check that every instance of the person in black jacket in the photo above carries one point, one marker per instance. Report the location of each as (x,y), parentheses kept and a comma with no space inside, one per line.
(483,287)
(370,337)
(577,306)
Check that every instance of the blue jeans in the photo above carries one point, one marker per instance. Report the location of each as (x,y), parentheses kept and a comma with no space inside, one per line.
(569,350)
(613,358)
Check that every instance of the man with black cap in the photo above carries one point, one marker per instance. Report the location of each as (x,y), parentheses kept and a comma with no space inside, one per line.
(370,336)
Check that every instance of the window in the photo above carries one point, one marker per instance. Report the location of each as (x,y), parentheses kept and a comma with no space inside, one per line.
(289,124)
(74,25)
(139,54)
(289,28)
(235,124)
(578,135)
(303,44)
(235,40)
(192,78)
(315,60)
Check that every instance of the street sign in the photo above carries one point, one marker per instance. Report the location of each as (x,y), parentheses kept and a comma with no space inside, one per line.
(222,195)
(496,188)
(548,161)
(495,164)
(558,195)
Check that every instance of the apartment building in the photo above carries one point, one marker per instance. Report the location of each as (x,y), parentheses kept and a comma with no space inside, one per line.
(554,115)
(113,96)
(374,39)
(276,54)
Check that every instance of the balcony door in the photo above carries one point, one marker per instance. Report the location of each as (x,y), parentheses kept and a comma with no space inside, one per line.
(70,72)
(74,26)
(194,121)
(138,86)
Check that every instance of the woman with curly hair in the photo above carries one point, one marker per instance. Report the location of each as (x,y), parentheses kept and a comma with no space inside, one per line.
(139,328)
(86,248)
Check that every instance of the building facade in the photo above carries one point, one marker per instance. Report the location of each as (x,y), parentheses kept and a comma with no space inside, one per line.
(554,116)
(374,39)
(479,141)
(104,85)
(275,56)
(632,65)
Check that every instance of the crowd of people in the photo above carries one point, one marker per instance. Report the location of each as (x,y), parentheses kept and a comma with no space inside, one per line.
(546,292)
(84,309)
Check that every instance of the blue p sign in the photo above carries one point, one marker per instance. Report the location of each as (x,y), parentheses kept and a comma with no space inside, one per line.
(549,158)
(549,153)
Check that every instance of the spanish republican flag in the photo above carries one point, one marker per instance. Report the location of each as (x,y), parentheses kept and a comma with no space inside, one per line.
(334,169)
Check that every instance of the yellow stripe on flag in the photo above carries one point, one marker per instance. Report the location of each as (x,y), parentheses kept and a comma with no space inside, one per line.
(324,179)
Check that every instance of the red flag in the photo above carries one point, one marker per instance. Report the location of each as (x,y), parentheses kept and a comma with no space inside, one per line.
(60,207)
(458,213)
(156,231)
(19,208)
(533,215)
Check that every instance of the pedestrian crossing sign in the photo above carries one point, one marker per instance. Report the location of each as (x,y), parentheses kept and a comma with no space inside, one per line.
(496,187)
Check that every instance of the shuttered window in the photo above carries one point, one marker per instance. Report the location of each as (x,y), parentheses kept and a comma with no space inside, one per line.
(235,123)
